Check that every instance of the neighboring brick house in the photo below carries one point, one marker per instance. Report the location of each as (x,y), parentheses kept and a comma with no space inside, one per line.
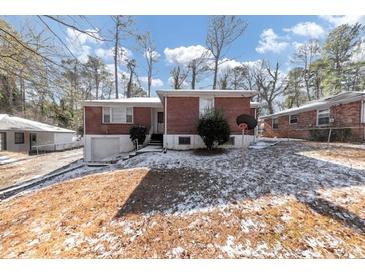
(345,110)
(107,122)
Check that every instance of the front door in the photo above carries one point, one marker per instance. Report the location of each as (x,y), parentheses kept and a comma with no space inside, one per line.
(2,140)
(32,140)
(160,122)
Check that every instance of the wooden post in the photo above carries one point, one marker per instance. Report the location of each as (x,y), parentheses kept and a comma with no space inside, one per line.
(243,144)
(329,136)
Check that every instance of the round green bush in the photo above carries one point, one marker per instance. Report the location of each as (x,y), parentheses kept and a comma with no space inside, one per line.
(213,128)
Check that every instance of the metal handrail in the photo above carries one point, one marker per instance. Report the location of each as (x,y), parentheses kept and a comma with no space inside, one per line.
(63,145)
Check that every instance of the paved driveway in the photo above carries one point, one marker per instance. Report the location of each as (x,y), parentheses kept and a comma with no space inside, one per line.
(36,166)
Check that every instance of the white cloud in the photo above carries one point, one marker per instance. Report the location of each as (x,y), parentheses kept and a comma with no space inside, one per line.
(359,52)
(108,54)
(83,38)
(155,54)
(309,29)
(184,55)
(270,41)
(104,53)
(337,20)
(253,64)
(227,64)
(78,43)
(156,83)
(297,45)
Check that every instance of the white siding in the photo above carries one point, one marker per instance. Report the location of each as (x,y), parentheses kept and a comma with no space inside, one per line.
(97,147)
(172,141)
(63,138)
(10,142)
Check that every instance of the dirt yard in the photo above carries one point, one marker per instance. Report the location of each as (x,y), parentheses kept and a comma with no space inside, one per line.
(269,203)
(36,166)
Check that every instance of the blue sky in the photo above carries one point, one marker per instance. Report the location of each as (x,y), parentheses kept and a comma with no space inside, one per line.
(272,38)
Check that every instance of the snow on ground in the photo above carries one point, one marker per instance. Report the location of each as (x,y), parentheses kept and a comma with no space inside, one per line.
(275,202)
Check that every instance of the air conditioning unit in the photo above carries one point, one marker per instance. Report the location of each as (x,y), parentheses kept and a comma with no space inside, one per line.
(332,120)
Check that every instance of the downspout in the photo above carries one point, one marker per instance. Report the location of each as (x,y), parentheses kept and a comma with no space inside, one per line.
(84,137)
(165,130)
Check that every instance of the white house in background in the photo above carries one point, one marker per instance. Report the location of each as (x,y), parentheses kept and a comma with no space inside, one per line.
(23,135)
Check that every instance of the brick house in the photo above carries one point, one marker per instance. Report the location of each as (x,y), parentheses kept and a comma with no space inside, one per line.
(345,110)
(173,116)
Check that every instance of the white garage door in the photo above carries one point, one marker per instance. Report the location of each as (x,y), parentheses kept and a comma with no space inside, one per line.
(103,149)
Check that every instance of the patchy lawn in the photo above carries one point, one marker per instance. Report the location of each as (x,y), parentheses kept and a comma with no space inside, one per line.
(348,156)
(36,166)
(271,203)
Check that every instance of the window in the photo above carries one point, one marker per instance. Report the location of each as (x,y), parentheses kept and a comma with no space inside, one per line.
(323,117)
(205,104)
(106,115)
(184,140)
(363,112)
(160,117)
(19,138)
(117,115)
(293,119)
(129,117)
(231,141)
(275,123)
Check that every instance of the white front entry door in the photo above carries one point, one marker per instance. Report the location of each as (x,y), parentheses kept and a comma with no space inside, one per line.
(160,122)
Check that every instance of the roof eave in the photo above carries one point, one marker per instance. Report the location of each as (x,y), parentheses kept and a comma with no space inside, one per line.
(326,104)
(222,93)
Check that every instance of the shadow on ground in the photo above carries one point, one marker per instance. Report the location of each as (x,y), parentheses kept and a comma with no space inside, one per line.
(278,171)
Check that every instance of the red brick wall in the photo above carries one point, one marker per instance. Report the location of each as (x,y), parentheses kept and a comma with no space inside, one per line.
(233,107)
(94,125)
(345,115)
(182,115)
(349,115)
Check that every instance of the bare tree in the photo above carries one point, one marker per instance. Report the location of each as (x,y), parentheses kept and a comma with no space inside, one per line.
(222,32)
(131,66)
(238,76)
(121,24)
(151,56)
(223,81)
(96,71)
(178,76)
(197,66)
(270,84)
(304,56)
(294,93)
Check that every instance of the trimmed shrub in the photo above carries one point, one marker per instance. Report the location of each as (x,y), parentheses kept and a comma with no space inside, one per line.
(213,128)
(337,135)
(138,132)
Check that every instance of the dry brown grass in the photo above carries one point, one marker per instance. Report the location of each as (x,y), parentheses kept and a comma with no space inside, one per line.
(352,157)
(83,218)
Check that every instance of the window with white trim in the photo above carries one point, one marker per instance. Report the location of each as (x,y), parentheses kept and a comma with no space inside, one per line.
(19,138)
(363,112)
(118,115)
(205,104)
(293,119)
(323,117)
(275,123)
(184,140)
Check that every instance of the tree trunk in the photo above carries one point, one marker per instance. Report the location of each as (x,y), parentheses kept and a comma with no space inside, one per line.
(149,83)
(129,87)
(116,45)
(215,73)
(193,77)
(269,107)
